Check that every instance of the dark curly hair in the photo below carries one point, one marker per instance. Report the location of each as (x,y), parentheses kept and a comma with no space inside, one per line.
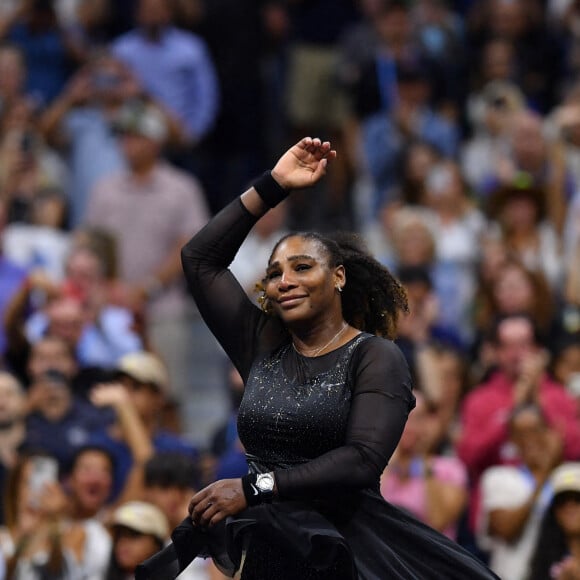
(372,298)
(551,547)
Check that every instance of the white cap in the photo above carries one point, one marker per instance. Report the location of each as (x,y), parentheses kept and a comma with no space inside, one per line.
(145,368)
(142,517)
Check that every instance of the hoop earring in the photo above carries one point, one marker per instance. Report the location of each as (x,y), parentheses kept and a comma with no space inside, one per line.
(339,288)
(264,303)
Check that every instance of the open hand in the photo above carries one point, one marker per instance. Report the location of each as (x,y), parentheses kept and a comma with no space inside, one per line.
(303,164)
(217,501)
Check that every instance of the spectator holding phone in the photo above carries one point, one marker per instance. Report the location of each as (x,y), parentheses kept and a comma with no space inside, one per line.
(39,541)
(174,66)
(30,541)
(79,123)
(27,164)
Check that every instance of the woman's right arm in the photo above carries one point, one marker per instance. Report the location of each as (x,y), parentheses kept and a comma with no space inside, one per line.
(222,302)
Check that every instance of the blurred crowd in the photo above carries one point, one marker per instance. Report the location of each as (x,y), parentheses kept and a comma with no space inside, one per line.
(126,124)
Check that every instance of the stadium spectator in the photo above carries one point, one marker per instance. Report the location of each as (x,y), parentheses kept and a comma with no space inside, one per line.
(139,530)
(12,428)
(520,377)
(515,497)
(173,66)
(58,422)
(153,205)
(556,554)
(432,487)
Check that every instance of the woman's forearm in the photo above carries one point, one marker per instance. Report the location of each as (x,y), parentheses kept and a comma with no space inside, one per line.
(253,203)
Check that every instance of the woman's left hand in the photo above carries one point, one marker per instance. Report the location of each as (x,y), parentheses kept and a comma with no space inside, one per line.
(217,501)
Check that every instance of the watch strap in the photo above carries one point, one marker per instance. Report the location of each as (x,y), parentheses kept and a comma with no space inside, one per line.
(253,494)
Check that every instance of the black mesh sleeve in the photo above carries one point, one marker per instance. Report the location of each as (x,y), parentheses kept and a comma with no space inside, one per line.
(240,327)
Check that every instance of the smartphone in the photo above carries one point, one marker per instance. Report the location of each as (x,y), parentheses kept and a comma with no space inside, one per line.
(44,471)
(573,384)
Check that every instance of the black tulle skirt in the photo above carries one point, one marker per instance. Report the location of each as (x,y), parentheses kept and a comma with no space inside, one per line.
(360,537)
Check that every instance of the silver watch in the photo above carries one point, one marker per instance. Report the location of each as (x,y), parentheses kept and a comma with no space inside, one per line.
(265,485)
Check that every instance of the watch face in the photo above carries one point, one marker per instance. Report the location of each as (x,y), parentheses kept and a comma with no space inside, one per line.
(265,482)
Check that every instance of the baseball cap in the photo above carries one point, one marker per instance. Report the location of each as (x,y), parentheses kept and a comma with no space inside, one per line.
(142,517)
(141,119)
(144,367)
(566,477)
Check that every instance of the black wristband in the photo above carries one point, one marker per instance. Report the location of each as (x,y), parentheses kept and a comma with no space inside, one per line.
(251,492)
(271,192)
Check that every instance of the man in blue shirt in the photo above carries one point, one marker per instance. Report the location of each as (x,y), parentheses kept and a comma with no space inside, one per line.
(174,66)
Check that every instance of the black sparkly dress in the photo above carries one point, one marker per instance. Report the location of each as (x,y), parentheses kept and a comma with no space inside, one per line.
(327,427)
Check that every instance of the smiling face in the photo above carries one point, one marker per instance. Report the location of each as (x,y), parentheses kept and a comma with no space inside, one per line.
(300,284)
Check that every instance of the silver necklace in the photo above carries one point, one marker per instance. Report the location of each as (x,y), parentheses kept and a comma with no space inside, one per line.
(319,350)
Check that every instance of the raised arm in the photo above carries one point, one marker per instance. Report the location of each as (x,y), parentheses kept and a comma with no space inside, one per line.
(224,305)
(222,302)
(303,165)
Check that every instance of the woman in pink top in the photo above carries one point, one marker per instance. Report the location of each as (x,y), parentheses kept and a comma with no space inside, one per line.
(431,487)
